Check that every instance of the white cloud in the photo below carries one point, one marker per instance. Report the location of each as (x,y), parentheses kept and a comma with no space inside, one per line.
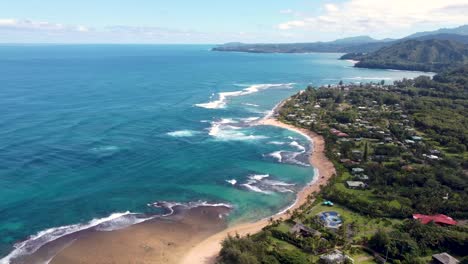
(286,11)
(29,25)
(331,7)
(366,16)
(292,24)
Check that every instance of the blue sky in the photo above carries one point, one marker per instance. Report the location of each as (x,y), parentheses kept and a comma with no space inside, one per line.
(203,21)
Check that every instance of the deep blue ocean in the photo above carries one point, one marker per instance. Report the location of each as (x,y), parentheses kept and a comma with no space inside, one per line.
(88,131)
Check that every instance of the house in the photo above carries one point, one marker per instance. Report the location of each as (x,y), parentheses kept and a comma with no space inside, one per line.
(341,134)
(357,170)
(432,157)
(357,154)
(304,231)
(355,184)
(335,257)
(438,219)
(362,177)
(444,258)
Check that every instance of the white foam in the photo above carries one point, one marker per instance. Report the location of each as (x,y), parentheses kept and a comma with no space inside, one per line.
(225,131)
(232,182)
(34,242)
(250,119)
(281,189)
(105,149)
(276,143)
(182,133)
(255,188)
(368,78)
(277,183)
(258,177)
(170,205)
(298,146)
(222,97)
(249,104)
(276,155)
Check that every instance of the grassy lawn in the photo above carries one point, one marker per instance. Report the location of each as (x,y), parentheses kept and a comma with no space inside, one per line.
(364,226)
(362,257)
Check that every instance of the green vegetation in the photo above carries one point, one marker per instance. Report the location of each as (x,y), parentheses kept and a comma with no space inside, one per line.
(407,144)
(419,55)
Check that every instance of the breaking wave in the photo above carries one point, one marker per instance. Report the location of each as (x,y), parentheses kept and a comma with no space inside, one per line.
(260,184)
(223,97)
(228,129)
(169,206)
(114,221)
(291,157)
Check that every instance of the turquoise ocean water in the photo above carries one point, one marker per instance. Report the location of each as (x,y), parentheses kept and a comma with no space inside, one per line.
(89,131)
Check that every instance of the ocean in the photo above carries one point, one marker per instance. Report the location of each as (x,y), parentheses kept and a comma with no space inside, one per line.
(95,135)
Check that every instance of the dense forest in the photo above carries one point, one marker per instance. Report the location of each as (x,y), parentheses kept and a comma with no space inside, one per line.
(419,55)
(400,150)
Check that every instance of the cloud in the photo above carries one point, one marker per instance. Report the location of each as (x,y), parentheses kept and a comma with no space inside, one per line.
(29,25)
(286,11)
(292,24)
(358,16)
(331,8)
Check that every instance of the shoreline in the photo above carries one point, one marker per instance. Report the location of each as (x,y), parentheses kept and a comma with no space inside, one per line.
(207,250)
(164,239)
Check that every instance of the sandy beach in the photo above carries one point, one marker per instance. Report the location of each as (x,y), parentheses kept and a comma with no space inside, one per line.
(162,240)
(191,237)
(206,251)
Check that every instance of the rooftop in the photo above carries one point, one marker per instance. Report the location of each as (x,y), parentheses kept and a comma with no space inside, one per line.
(438,219)
(444,258)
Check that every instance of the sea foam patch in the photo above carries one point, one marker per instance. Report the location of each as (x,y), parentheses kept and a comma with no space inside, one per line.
(183,133)
(228,129)
(291,157)
(261,183)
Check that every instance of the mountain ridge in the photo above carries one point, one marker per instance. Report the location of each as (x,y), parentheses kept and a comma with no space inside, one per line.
(357,44)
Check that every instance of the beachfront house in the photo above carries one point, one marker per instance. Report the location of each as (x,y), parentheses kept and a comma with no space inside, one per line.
(304,231)
(356,184)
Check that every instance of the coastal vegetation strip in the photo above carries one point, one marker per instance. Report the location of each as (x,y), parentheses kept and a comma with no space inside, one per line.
(400,153)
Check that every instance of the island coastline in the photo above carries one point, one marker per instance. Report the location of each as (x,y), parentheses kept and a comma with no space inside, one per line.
(207,250)
(151,239)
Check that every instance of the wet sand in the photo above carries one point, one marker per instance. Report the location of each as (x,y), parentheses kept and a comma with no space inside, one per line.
(161,240)
(207,250)
(189,237)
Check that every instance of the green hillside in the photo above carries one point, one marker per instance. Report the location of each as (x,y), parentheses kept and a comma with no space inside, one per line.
(427,55)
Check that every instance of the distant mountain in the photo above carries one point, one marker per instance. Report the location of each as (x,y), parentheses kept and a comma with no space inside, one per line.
(461,30)
(359,44)
(420,55)
(443,36)
(340,45)
(355,40)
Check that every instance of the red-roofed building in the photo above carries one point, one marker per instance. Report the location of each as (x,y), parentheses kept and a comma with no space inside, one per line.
(438,219)
(341,134)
